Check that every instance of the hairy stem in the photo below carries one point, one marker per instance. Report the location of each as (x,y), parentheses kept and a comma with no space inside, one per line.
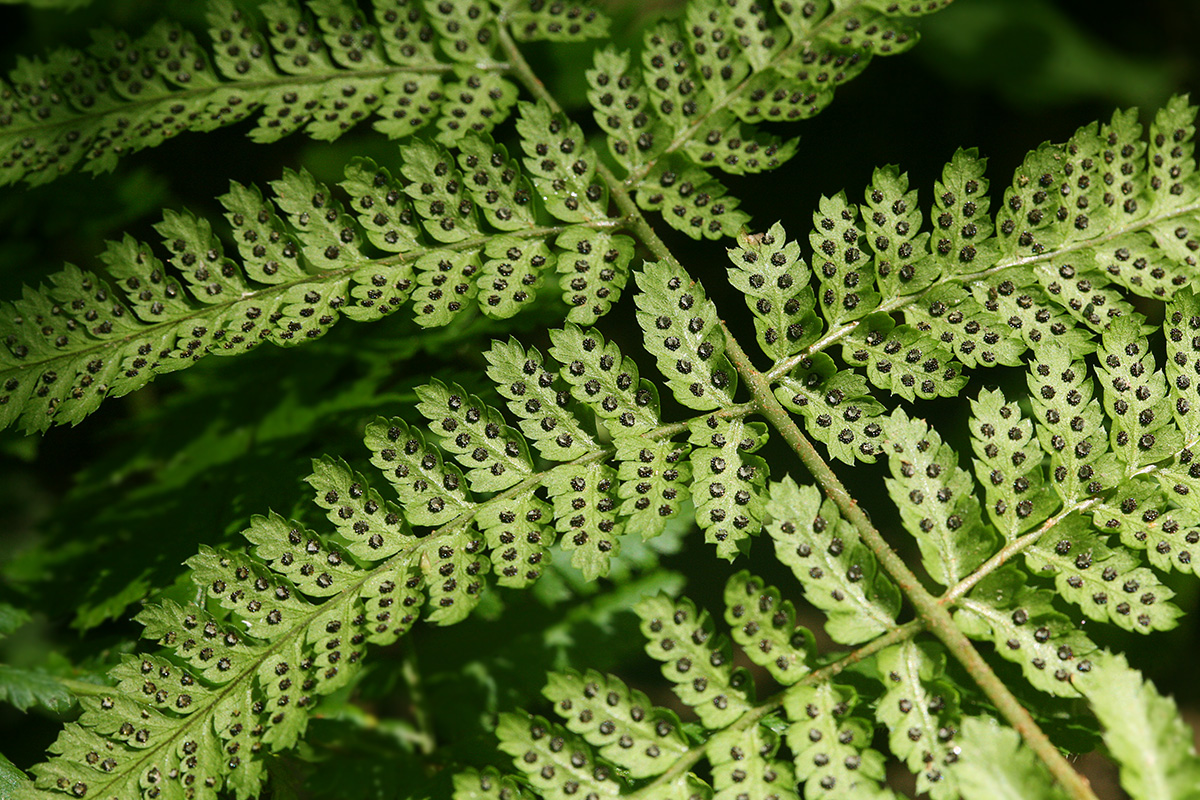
(934,615)
(1008,551)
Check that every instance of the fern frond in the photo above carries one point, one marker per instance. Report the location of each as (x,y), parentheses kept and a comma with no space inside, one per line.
(768,270)
(831,749)
(681,331)
(698,662)
(764,626)
(627,730)
(1026,628)
(747,762)
(305,261)
(324,69)
(837,407)
(1007,466)
(707,83)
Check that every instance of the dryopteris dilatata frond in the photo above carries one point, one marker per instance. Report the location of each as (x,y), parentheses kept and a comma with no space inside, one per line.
(453,230)
(1041,515)
(706,83)
(612,742)
(1123,468)
(449,235)
(323,68)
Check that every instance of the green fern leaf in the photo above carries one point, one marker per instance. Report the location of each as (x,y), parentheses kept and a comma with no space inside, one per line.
(1026,629)
(769,271)
(962,239)
(839,574)
(1012,480)
(728,484)
(1070,425)
(585,513)
(1143,732)
(975,336)
(936,500)
(690,200)
(837,408)
(535,20)
(996,767)
(504,194)
(627,730)
(920,709)
(430,490)
(764,626)
(744,764)
(562,166)
(831,749)
(594,268)
(1083,294)
(682,333)
(538,398)
(555,762)
(903,360)
(1138,511)
(737,148)
(844,267)
(653,480)
(24,689)
(323,72)
(494,455)
(710,79)
(454,575)
(369,526)
(518,532)
(892,225)
(605,380)
(511,275)
(1182,329)
(487,784)
(621,106)
(439,193)
(1107,583)
(696,661)
(1135,397)
(1026,309)
(296,279)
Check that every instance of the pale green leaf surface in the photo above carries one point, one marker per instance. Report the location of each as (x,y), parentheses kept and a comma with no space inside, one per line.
(839,574)
(997,766)
(1144,733)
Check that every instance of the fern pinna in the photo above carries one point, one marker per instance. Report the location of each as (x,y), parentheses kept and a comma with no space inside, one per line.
(1077,502)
